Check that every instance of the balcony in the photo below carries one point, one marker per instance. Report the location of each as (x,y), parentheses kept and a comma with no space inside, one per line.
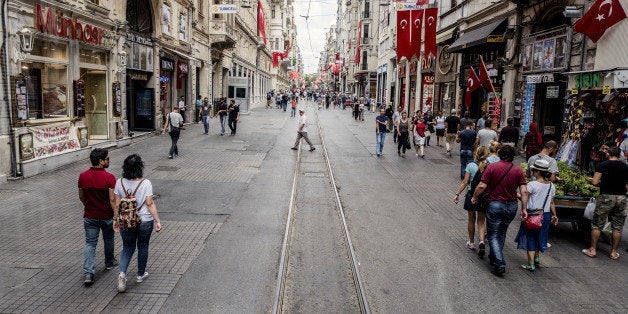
(366,41)
(222,35)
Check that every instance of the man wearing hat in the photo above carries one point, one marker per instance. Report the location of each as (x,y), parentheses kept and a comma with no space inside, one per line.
(451,128)
(302,131)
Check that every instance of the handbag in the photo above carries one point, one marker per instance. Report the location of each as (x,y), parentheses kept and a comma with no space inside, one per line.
(590,209)
(534,221)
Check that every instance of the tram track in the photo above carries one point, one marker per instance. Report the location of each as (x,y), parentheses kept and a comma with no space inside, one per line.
(318,268)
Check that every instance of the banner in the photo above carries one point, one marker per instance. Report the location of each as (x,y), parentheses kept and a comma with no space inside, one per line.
(403,34)
(261,28)
(52,139)
(431,16)
(415,33)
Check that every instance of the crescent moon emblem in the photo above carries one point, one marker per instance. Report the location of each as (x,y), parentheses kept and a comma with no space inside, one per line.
(430,20)
(417,23)
(470,82)
(610,4)
(403,23)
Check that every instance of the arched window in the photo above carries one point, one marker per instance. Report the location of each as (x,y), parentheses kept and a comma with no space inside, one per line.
(139,16)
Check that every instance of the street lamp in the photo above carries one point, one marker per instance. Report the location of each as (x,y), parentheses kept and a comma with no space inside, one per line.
(572,11)
(122,58)
(26,39)
(246,4)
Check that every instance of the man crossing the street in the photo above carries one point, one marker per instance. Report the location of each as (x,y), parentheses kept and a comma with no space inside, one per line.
(381,123)
(95,189)
(302,131)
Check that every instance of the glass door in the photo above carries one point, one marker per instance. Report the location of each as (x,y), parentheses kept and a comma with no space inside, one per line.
(96,103)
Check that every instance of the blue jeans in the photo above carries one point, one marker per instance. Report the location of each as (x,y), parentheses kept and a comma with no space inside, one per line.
(92,229)
(498,217)
(379,147)
(140,237)
(223,120)
(293,112)
(205,120)
(466,156)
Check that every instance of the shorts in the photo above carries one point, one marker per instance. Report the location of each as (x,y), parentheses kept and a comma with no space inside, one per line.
(611,207)
(451,137)
(440,132)
(419,140)
(468,206)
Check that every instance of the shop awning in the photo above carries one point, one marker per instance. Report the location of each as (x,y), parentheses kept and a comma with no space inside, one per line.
(475,37)
(443,36)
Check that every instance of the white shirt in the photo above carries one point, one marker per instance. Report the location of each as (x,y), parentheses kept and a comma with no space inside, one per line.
(181,104)
(485,137)
(538,192)
(302,120)
(144,191)
(440,122)
(396,117)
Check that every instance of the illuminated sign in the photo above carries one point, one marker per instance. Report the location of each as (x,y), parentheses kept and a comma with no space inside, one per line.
(55,23)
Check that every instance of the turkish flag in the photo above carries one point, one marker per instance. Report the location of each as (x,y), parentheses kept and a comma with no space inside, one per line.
(485,79)
(473,83)
(431,16)
(421,2)
(276,56)
(403,34)
(415,34)
(600,17)
(357,43)
(261,29)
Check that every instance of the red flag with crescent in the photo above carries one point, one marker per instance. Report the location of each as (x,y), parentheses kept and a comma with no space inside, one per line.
(403,34)
(415,33)
(431,16)
(600,17)
(261,29)
(485,79)
(473,83)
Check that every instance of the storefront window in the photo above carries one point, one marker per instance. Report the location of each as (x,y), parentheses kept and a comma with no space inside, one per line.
(93,56)
(46,90)
(49,49)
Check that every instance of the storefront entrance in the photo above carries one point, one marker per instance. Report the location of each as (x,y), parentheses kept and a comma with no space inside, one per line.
(95,93)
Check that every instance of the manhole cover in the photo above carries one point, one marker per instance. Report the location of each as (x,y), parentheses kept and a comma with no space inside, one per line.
(314,174)
(166,168)
(441,162)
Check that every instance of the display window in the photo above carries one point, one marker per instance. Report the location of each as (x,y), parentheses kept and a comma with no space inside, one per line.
(46,90)
(95,97)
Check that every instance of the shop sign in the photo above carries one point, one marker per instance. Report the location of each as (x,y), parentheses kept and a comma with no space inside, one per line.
(428,65)
(137,76)
(588,80)
(445,60)
(606,89)
(183,67)
(51,139)
(540,78)
(54,23)
(402,70)
(224,9)
(413,66)
(139,39)
(164,79)
(428,79)
(495,38)
(167,64)
(408,6)
(552,92)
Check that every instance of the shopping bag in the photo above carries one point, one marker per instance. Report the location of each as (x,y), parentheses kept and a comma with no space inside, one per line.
(589,209)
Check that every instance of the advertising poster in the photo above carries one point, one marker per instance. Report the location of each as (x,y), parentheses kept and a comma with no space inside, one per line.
(528,108)
(548,54)
(560,52)
(538,56)
(527,58)
(166,19)
(54,139)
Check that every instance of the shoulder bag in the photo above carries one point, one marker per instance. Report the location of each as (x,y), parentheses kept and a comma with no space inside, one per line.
(534,221)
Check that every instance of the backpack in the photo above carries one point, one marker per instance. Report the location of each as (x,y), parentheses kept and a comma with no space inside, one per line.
(128,211)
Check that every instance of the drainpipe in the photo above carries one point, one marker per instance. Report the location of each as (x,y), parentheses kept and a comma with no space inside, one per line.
(7,91)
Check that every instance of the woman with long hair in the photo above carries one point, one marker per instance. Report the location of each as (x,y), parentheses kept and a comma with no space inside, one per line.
(493,152)
(402,135)
(475,212)
(541,193)
(533,141)
(133,183)
(440,128)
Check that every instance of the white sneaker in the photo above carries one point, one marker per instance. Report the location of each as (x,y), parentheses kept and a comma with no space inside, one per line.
(121,282)
(471,246)
(142,277)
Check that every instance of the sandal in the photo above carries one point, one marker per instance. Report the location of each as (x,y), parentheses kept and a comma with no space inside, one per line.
(470,246)
(614,257)
(537,261)
(588,253)
(528,267)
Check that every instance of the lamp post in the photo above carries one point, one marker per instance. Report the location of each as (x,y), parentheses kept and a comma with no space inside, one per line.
(26,39)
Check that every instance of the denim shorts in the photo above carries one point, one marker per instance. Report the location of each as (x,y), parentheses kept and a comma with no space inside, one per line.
(611,207)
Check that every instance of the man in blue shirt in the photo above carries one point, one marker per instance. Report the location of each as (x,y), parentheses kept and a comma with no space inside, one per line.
(381,122)
(466,138)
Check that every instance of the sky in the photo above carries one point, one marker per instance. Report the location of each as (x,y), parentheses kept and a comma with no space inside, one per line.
(311,40)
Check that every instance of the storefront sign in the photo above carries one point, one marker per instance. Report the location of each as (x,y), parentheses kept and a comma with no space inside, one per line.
(552,92)
(54,139)
(137,76)
(428,79)
(224,9)
(495,38)
(167,64)
(540,78)
(183,67)
(413,66)
(55,23)
(408,6)
(606,89)
(588,80)
(445,60)
(428,65)
(139,39)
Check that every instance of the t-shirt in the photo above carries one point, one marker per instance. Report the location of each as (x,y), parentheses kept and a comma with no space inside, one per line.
(396,117)
(452,124)
(440,123)
(614,177)
(223,109)
(206,110)
(175,119)
(492,159)
(480,123)
(538,192)
(467,139)
(233,112)
(420,129)
(509,134)
(382,119)
(95,183)
(181,105)
(553,166)
(472,168)
(199,103)
(302,120)
(486,136)
(507,188)
(145,190)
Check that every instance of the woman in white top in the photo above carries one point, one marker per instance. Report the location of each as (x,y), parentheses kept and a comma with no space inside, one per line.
(132,180)
(440,128)
(541,196)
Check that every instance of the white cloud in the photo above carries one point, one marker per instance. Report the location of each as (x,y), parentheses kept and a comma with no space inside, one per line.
(311,40)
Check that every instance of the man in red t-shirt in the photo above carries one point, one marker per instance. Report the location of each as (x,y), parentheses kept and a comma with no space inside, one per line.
(95,187)
(501,180)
